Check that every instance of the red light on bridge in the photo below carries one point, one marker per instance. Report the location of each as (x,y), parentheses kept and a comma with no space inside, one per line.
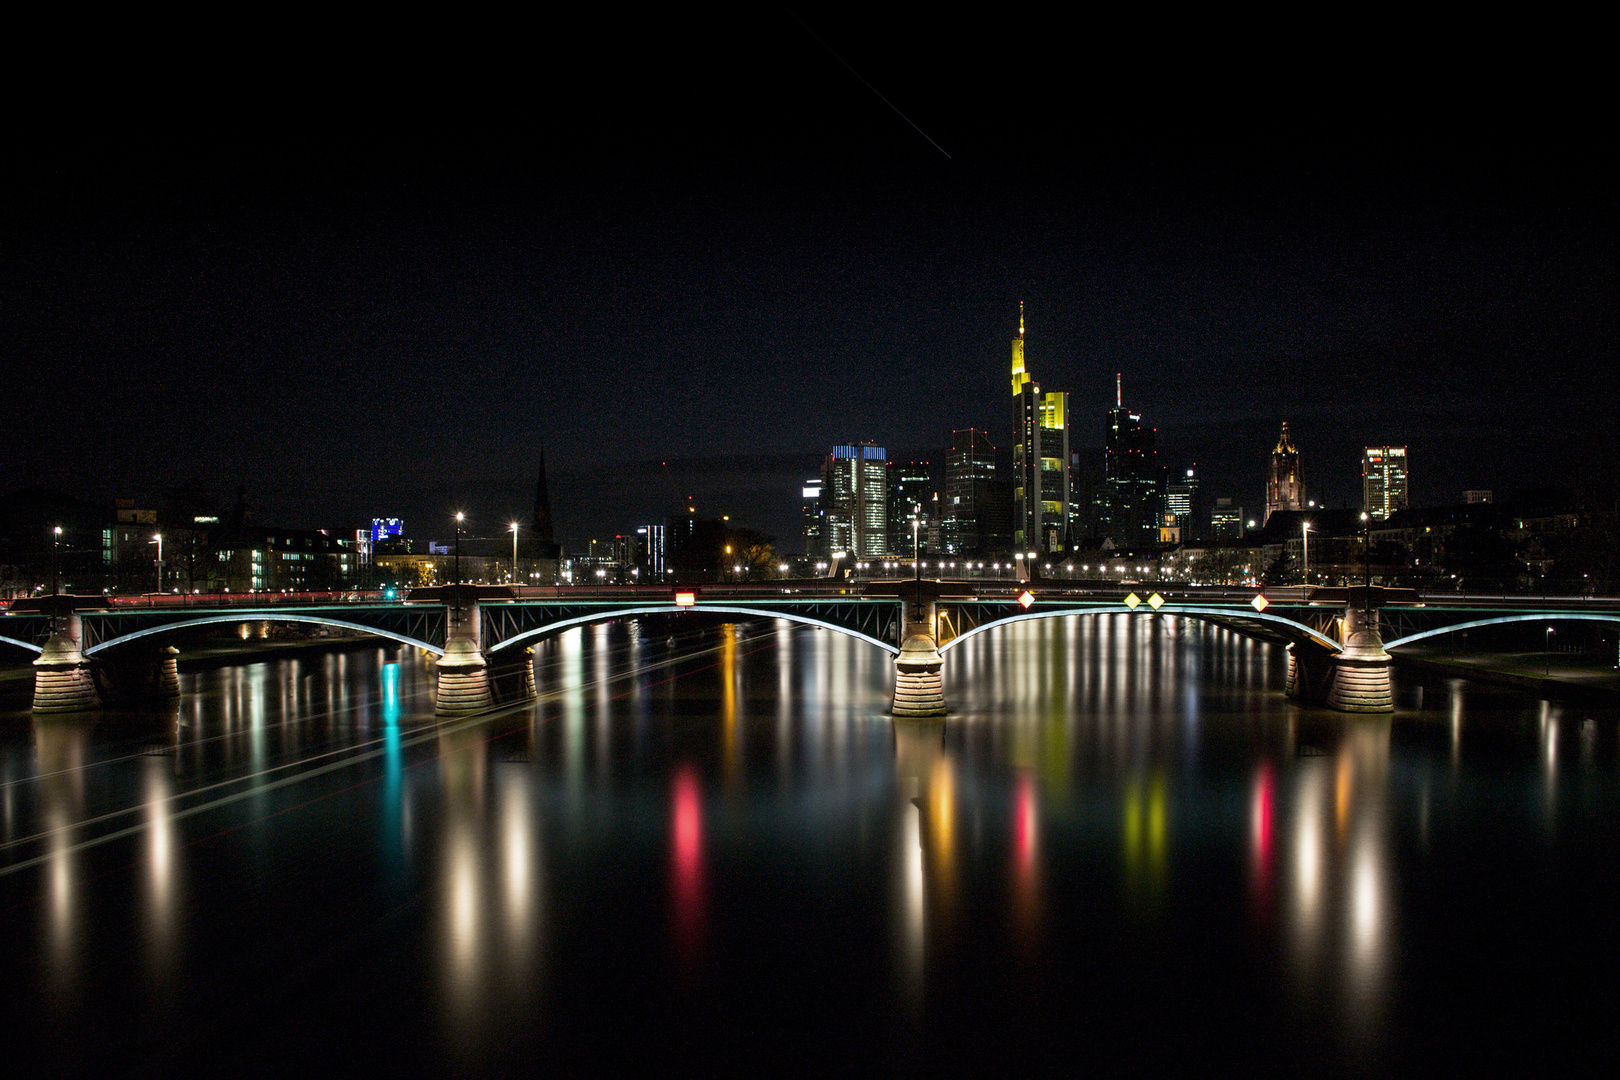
(1025,599)
(685,599)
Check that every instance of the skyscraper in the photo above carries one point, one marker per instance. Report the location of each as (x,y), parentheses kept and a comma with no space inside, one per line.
(1040,459)
(1133,480)
(1383,480)
(1285,487)
(1183,499)
(810,515)
(855,503)
(970,473)
(911,497)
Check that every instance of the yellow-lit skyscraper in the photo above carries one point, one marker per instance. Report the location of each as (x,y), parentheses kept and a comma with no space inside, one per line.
(1040,459)
(1383,480)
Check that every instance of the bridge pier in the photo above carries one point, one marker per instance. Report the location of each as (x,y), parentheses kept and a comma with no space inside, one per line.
(135,674)
(1310,673)
(62,678)
(463,685)
(1361,672)
(919,687)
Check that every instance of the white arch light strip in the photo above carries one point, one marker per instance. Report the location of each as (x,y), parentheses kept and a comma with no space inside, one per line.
(266,616)
(1217,615)
(666,609)
(30,646)
(1499,620)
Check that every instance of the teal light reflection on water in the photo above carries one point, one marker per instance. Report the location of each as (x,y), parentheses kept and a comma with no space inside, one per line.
(393,786)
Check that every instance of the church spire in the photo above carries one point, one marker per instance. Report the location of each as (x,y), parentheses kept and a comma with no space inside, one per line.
(540,530)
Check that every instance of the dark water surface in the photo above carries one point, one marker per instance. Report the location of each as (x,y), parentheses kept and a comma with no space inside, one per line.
(712,851)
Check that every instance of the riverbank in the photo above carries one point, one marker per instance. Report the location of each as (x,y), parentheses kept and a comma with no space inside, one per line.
(1549,675)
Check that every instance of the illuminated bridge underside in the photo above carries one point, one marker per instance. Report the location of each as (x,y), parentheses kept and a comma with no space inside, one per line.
(423,627)
(1501,620)
(25,631)
(961,621)
(875,622)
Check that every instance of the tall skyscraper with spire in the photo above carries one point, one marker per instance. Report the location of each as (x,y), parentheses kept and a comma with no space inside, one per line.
(1040,459)
(1285,487)
(1133,480)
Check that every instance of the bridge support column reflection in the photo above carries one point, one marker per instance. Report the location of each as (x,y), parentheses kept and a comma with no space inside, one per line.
(928,886)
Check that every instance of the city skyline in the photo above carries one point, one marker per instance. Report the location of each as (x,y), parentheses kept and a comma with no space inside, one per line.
(398,323)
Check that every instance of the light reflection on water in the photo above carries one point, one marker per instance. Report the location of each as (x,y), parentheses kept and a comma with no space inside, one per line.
(698,813)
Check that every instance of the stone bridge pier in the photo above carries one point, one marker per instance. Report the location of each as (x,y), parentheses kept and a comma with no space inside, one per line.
(463,685)
(919,688)
(62,677)
(1361,672)
(1353,680)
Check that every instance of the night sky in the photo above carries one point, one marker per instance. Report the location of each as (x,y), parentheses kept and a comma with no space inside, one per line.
(375,277)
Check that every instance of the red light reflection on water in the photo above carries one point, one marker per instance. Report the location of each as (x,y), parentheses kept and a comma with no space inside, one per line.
(686,834)
(1026,865)
(1264,802)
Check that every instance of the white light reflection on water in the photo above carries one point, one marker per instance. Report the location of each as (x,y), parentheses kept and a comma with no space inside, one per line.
(463,758)
(161,866)
(918,749)
(60,753)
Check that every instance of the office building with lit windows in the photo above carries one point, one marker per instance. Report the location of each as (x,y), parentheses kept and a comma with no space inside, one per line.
(855,501)
(1040,459)
(1383,481)
(911,499)
(1183,499)
(975,515)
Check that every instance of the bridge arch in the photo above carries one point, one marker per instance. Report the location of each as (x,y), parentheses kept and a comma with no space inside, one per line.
(1574,616)
(261,616)
(1231,620)
(28,645)
(712,609)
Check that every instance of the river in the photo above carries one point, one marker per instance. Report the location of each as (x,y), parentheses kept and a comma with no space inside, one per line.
(707,848)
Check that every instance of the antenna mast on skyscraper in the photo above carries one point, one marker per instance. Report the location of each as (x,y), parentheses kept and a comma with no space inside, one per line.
(1119,392)
(1020,318)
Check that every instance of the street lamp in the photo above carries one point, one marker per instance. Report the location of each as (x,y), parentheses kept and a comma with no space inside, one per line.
(56,543)
(460,517)
(1305,561)
(1366,553)
(514,552)
(157,538)
(1547,670)
(916,555)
